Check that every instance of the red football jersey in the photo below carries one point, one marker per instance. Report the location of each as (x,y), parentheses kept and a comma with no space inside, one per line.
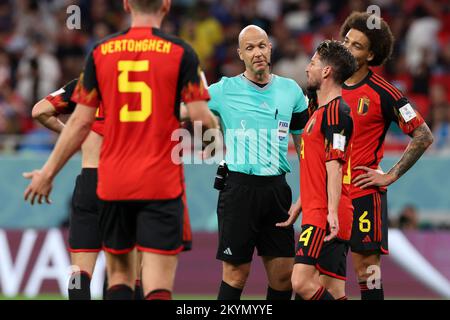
(140,76)
(327,136)
(375,103)
(61,101)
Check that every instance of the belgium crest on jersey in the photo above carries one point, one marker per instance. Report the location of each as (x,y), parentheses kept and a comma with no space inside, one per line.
(363,106)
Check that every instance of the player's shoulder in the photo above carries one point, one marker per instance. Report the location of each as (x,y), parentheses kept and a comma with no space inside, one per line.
(383,87)
(343,107)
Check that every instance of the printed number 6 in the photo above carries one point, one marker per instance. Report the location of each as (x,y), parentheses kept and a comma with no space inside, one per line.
(364,224)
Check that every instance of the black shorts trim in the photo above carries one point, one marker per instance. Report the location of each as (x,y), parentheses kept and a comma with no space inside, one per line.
(332,261)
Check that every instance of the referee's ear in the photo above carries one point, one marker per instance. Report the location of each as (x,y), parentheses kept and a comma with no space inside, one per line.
(239,52)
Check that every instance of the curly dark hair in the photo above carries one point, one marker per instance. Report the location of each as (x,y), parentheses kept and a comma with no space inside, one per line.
(381,40)
(335,54)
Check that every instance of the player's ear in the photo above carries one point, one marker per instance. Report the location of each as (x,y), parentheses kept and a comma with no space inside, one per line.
(126,6)
(165,8)
(371,56)
(326,72)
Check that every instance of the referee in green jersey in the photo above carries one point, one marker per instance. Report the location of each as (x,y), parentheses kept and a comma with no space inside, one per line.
(257,111)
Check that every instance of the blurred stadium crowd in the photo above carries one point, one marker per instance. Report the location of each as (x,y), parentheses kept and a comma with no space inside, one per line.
(38,53)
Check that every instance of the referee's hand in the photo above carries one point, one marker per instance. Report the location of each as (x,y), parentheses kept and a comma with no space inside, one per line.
(40,187)
(294,212)
(333,223)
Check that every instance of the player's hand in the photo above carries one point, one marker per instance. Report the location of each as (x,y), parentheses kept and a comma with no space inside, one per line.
(372,177)
(333,223)
(40,187)
(294,212)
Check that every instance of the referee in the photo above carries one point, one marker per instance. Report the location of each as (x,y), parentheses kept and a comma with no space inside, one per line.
(257,110)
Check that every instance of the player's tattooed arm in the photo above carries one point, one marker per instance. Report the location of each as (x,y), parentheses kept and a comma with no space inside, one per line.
(422,138)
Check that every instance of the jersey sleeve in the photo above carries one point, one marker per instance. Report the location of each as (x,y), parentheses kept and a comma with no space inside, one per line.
(300,114)
(192,79)
(215,92)
(398,109)
(337,128)
(61,99)
(87,91)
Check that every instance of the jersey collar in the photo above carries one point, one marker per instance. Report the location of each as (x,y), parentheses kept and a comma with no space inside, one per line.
(362,82)
(250,83)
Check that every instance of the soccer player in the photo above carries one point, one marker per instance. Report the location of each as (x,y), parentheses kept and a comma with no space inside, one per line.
(139,76)
(375,104)
(324,184)
(257,110)
(84,233)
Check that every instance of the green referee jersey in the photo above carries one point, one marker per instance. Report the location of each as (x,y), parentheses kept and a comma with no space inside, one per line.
(257,121)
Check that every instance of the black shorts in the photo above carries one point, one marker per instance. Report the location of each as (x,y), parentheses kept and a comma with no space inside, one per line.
(330,258)
(84,232)
(370,224)
(152,226)
(248,209)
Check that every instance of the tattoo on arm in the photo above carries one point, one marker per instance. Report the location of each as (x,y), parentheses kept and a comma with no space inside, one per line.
(422,138)
(298,144)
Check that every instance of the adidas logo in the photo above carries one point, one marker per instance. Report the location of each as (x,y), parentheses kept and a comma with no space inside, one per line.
(300,252)
(228,252)
(367,239)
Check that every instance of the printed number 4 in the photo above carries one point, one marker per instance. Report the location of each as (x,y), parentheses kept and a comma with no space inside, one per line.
(304,237)
(125,86)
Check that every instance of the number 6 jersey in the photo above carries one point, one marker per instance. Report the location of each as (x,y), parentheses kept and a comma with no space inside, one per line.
(140,76)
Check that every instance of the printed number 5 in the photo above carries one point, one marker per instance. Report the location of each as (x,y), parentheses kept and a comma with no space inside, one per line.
(125,86)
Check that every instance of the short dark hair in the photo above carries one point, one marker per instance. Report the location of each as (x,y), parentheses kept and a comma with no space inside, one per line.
(335,54)
(381,39)
(146,6)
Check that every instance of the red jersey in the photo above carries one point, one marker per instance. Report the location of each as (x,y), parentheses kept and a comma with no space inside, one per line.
(375,103)
(61,101)
(327,136)
(140,76)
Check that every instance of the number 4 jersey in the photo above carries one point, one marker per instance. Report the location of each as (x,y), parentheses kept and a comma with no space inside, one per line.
(327,136)
(140,76)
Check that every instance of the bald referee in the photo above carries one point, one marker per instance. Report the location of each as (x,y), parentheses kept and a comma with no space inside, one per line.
(257,111)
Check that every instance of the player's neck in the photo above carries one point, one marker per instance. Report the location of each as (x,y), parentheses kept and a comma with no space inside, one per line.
(327,93)
(146,20)
(261,78)
(358,76)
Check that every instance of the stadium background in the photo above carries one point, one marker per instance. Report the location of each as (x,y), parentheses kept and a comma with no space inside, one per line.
(38,54)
